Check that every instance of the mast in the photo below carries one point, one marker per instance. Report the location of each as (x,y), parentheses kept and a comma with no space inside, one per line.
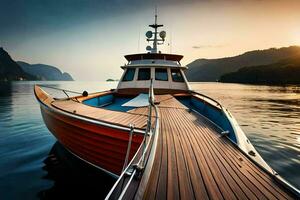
(155,40)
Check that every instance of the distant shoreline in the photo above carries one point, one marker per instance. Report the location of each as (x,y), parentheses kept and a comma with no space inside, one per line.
(191,82)
(257,84)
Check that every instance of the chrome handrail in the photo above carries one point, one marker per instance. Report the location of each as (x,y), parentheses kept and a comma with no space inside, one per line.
(59,89)
(141,163)
(149,120)
(135,169)
(150,160)
(151,102)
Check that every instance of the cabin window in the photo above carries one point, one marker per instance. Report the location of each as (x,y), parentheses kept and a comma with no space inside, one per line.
(176,75)
(144,74)
(129,75)
(161,74)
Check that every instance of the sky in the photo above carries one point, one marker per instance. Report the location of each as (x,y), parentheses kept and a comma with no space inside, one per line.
(89,38)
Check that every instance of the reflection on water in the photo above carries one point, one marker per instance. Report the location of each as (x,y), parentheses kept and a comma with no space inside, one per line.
(25,141)
(34,166)
(73,179)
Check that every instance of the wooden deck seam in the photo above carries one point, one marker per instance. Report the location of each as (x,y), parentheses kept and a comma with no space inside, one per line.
(224,168)
(174,107)
(186,141)
(234,172)
(195,162)
(248,162)
(241,171)
(256,170)
(217,153)
(151,191)
(184,158)
(175,156)
(203,152)
(228,179)
(206,177)
(263,185)
(163,177)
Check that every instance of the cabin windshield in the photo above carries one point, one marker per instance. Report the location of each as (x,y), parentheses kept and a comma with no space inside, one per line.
(129,75)
(176,75)
(144,74)
(161,74)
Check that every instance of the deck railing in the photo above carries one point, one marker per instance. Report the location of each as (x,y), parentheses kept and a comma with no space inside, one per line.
(209,98)
(59,89)
(133,175)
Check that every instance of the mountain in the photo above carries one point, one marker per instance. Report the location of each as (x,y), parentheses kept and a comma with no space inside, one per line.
(286,71)
(45,72)
(213,69)
(10,70)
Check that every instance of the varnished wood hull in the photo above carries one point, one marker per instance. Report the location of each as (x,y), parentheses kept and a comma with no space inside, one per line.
(100,143)
(102,146)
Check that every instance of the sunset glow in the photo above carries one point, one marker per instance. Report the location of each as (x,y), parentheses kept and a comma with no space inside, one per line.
(97,41)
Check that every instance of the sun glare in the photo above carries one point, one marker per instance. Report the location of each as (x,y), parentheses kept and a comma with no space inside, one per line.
(295,36)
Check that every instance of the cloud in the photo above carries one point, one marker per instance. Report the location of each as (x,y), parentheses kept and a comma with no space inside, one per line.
(207,46)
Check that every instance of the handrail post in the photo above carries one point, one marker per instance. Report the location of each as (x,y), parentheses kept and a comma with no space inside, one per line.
(139,166)
(66,94)
(63,90)
(128,147)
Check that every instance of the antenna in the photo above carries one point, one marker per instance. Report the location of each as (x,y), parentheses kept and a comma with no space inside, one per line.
(171,36)
(139,39)
(155,14)
(150,34)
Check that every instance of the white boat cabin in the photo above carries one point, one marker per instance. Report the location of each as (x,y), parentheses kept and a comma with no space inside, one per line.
(164,69)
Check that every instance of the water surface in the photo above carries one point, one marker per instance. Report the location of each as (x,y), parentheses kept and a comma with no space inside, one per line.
(34,166)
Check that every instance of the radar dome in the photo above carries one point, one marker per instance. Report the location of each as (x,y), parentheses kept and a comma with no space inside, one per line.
(162,34)
(148,48)
(149,34)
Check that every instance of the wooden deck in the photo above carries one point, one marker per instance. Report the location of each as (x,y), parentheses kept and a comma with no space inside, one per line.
(120,118)
(72,106)
(193,161)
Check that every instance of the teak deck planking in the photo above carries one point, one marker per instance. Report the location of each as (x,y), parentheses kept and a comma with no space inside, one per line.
(193,161)
(115,117)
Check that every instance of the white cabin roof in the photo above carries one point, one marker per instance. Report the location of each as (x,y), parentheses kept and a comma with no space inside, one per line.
(154,63)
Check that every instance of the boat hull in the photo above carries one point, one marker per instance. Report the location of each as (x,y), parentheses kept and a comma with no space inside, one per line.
(101,146)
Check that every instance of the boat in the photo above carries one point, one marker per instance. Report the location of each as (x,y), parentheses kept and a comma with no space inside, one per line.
(159,138)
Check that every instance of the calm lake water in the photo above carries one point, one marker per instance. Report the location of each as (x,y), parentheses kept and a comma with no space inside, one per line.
(34,166)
